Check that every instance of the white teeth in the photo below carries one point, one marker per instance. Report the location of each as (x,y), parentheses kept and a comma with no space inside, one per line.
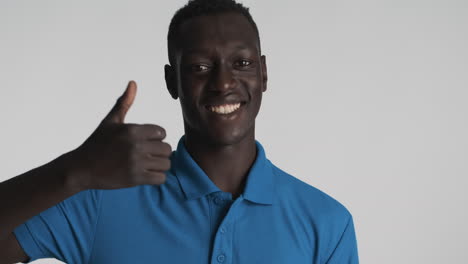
(225,109)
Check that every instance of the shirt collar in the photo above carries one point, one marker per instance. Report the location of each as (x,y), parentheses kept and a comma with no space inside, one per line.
(259,186)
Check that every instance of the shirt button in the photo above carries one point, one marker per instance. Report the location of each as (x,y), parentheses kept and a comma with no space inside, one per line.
(218,201)
(223,230)
(221,258)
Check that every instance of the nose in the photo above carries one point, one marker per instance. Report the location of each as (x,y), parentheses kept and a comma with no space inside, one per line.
(223,79)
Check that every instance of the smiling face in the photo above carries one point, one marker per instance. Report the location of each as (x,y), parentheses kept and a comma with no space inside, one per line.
(219,77)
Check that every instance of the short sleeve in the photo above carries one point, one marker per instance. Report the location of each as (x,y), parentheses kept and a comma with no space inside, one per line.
(64,231)
(346,251)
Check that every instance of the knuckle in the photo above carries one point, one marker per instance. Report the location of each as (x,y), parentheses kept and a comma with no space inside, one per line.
(155,130)
(160,178)
(166,164)
(159,131)
(131,131)
(154,177)
(167,149)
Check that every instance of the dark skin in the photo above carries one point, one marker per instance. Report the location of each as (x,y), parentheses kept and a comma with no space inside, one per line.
(218,62)
(116,155)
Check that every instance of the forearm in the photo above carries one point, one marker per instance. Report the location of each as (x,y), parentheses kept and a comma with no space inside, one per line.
(32,192)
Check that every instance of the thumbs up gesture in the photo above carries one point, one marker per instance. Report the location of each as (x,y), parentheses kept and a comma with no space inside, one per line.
(119,155)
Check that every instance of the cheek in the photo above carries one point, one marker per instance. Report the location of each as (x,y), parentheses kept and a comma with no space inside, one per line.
(188,102)
(258,102)
(190,91)
(255,91)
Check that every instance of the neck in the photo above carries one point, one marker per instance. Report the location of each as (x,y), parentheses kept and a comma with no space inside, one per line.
(227,165)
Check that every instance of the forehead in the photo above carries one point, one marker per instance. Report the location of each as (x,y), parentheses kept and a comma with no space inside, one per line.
(209,32)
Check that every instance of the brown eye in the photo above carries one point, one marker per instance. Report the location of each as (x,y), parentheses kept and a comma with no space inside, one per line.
(243,63)
(200,68)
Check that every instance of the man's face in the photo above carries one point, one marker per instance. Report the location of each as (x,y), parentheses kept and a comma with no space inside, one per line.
(219,77)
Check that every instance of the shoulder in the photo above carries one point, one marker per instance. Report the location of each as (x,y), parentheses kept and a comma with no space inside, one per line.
(316,214)
(313,202)
(138,195)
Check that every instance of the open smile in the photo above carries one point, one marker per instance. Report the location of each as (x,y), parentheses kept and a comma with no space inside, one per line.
(225,109)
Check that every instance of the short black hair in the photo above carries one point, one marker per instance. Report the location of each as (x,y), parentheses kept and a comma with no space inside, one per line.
(196,8)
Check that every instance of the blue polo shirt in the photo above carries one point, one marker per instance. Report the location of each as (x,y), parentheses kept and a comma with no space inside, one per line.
(188,219)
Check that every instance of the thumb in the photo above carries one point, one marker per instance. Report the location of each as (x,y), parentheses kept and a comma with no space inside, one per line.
(125,101)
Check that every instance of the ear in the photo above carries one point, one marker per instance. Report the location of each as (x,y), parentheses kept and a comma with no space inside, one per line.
(170,76)
(264,73)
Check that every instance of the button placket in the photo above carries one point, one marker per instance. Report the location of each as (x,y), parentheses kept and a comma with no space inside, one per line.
(218,201)
(222,247)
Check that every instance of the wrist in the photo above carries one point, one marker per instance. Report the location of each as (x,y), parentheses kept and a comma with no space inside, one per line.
(74,178)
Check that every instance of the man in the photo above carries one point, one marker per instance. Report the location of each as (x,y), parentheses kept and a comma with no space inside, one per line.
(123,197)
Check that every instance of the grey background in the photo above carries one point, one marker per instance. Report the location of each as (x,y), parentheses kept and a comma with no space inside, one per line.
(367,101)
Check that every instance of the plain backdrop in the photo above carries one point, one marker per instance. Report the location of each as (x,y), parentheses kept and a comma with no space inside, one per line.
(367,101)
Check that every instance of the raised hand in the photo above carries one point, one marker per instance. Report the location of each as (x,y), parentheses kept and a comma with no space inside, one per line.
(119,155)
